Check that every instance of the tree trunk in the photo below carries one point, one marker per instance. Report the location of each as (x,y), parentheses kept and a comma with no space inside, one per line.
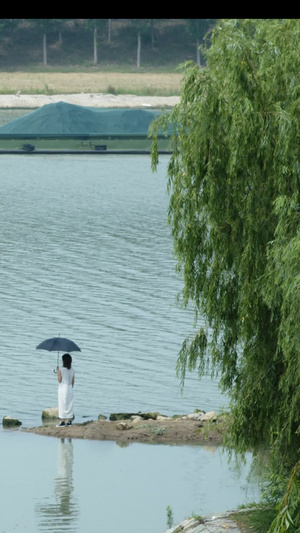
(109,32)
(45,49)
(95,47)
(152,33)
(139,45)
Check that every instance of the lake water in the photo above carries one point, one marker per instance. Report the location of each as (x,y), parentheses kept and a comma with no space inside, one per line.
(85,252)
(51,485)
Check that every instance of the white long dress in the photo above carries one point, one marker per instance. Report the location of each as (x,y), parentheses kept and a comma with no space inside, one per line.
(65,393)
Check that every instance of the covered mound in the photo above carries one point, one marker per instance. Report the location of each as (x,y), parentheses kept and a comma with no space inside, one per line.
(67,119)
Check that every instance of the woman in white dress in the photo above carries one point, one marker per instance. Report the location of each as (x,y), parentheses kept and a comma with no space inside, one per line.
(66,380)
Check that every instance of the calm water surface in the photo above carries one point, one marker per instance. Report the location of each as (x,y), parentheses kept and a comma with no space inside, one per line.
(50,484)
(85,252)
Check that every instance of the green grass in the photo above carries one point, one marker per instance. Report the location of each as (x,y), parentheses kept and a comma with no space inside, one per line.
(88,67)
(256,520)
(31,90)
(143,91)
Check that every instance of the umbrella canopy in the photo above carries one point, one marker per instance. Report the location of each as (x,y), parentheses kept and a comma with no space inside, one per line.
(58,344)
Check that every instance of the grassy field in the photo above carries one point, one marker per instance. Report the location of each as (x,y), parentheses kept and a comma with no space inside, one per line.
(145,84)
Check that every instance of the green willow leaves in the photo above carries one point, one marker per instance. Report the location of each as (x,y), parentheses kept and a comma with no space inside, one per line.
(234,183)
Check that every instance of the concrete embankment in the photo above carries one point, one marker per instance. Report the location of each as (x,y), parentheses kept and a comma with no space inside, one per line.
(100,100)
(207,524)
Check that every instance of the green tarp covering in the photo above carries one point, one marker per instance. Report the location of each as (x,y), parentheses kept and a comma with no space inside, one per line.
(67,119)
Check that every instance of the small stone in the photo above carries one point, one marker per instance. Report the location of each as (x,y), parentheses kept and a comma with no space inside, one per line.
(123,426)
(8,421)
(136,419)
(211,415)
(193,416)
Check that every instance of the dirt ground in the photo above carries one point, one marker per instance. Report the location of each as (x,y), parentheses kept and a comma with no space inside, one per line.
(90,82)
(166,431)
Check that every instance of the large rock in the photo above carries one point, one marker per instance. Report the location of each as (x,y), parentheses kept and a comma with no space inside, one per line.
(50,414)
(8,421)
(210,416)
(128,416)
(203,417)
(136,420)
(123,426)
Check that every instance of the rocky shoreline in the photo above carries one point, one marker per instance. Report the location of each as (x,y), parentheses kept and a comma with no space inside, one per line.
(207,524)
(195,428)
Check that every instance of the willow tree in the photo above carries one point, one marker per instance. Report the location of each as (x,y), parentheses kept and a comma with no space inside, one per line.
(234,184)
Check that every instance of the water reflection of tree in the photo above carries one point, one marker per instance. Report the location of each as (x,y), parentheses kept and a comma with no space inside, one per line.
(61,515)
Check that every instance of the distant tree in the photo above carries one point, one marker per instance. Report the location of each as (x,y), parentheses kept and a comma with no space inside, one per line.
(109,25)
(152,32)
(141,27)
(60,24)
(198,28)
(153,26)
(7,26)
(94,25)
(45,26)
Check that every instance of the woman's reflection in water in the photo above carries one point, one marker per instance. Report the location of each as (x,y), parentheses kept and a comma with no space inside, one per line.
(64,481)
(61,516)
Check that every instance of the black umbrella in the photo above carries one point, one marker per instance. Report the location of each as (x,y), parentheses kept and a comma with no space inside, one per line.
(58,344)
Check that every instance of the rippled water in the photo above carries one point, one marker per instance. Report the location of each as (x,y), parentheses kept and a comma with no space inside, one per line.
(86,253)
